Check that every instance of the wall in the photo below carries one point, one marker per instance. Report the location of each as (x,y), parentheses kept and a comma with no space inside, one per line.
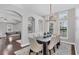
(71,26)
(56,24)
(3,28)
(77,31)
(17,27)
(46,24)
(25,40)
(37,28)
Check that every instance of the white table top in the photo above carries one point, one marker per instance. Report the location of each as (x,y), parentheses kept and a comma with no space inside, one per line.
(44,39)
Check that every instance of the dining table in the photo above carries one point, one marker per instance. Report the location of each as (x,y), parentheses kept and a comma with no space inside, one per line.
(45,42)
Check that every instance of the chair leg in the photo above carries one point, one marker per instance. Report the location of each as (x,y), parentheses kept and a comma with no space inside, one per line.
(58,43)
(50,52)
(30,51)
(57,46)
(40,52)
(54,49)
(36,53)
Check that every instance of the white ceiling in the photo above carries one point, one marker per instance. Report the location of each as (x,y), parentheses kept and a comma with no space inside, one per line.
(39,9)
(62,7)
(10,15)
(44,9)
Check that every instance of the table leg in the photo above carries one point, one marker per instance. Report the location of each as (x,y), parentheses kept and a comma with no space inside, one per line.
(44,48)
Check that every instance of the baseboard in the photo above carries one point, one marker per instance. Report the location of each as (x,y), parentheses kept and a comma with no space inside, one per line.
(68,42)
(71,44)
(23,45)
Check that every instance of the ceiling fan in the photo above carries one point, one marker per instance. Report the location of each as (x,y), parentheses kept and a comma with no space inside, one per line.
(51,15)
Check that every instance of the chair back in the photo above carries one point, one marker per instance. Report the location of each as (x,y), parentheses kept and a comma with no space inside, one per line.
(52,43)
(57,38)
(35,46)
(34,43)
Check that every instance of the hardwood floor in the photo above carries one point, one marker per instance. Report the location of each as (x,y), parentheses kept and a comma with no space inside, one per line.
(15,44)
(64,49)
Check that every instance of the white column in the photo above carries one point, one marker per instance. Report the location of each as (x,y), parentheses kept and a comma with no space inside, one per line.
(24,32)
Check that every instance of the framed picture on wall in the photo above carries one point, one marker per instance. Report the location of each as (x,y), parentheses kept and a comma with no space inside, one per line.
(9,27)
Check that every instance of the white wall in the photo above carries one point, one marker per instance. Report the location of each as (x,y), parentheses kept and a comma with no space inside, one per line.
(46,24)
(56,24)
(3,28)
(71,26)
(37,28)
(77,31)
(17,27)
(25,40)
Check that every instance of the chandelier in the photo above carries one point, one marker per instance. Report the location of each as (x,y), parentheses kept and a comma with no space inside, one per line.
(51,15)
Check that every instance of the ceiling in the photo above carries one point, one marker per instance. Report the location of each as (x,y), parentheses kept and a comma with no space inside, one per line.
(13,14)
(44,9)
(8,15)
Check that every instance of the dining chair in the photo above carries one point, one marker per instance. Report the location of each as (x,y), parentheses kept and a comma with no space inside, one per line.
(52,44)
(35,46)
(57,41)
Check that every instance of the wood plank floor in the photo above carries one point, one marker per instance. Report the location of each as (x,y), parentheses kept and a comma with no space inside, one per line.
(64,49)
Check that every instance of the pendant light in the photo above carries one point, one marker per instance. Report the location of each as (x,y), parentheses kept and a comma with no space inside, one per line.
(51,15)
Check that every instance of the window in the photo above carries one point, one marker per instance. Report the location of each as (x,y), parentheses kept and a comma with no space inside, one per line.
(31,25)
(63,24)
(51,27)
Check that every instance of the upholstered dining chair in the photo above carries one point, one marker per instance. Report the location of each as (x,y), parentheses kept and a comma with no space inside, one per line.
(51,45)
(35,46)
(57,41)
